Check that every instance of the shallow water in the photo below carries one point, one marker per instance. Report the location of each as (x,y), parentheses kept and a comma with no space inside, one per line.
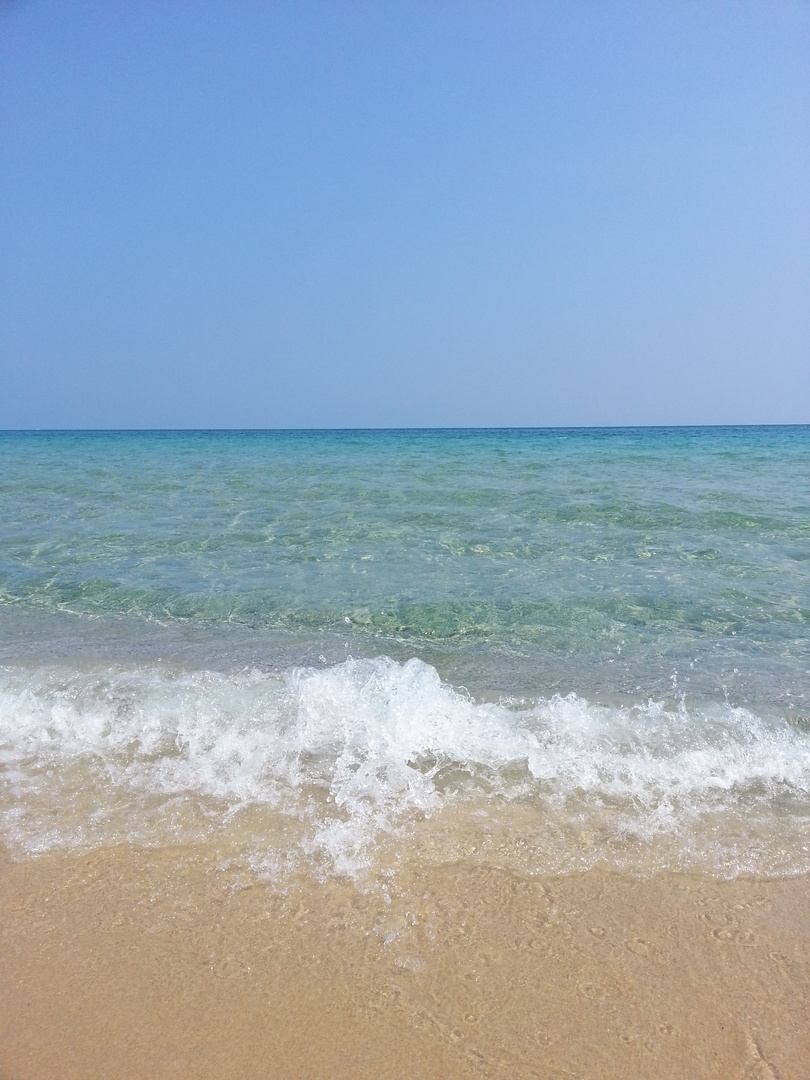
(547,649)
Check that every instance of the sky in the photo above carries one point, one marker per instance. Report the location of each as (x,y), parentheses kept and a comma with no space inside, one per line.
(350,214)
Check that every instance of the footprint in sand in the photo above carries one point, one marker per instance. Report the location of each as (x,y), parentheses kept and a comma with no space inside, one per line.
(724,933)
(757,1067)
(639,946)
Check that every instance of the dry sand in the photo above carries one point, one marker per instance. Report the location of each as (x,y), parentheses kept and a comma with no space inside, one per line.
(176,963)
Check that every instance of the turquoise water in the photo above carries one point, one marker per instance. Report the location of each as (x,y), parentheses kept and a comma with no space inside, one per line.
(625,571)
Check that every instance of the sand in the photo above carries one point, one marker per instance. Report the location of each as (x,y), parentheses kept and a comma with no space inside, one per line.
(179,963)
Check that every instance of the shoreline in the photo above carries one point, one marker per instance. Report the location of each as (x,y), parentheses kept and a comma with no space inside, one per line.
(175,963)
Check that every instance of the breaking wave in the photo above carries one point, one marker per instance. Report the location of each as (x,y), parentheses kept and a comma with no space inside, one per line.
(332,764)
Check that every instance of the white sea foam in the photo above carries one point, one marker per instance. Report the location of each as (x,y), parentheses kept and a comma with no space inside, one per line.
(363,751)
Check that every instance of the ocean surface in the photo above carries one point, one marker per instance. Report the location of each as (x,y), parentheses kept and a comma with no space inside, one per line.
(547,649)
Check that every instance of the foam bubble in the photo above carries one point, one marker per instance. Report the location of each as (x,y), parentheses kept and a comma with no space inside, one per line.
(351,755)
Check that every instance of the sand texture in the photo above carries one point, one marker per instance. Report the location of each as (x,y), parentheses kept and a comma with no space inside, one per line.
(178,963)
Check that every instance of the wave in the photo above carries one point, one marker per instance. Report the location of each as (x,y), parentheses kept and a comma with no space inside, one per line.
(347,759)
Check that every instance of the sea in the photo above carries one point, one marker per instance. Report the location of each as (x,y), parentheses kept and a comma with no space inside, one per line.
(325,652)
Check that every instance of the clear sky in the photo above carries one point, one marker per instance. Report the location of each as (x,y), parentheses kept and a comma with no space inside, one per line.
(256,214)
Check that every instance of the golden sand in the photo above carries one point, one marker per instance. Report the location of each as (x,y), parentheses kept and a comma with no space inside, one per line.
(177,963)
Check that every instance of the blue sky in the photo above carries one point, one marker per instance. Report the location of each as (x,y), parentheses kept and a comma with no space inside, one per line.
(403,214)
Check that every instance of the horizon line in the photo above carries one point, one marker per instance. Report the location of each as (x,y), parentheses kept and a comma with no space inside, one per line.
(405,429)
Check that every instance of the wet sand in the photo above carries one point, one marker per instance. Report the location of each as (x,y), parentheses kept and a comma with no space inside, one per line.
(177,963)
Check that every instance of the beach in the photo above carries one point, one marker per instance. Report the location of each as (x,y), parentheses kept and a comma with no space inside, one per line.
(142,964)
(404,541)
(405,753)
